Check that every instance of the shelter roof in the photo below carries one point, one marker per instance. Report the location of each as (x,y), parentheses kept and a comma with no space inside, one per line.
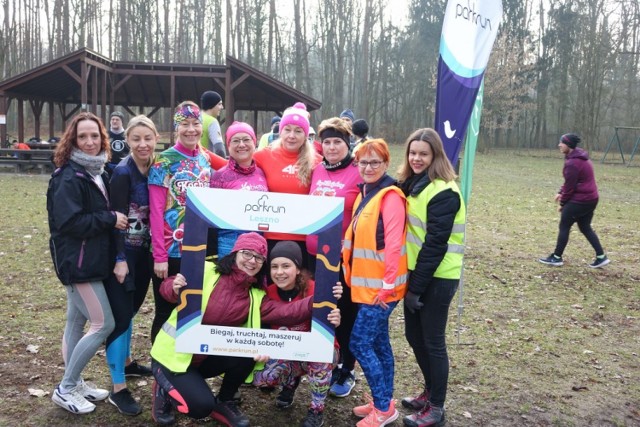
(141,84)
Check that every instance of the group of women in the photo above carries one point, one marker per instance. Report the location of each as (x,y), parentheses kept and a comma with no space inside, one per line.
(402,239)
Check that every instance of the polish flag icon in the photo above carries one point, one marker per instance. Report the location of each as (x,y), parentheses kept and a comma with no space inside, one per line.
(263,227)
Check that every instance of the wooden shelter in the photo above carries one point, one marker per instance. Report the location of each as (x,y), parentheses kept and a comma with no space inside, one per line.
(87,81)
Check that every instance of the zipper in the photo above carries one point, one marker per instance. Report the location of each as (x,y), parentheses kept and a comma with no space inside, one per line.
(81,256)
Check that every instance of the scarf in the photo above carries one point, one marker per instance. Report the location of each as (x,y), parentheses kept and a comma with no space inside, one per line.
(243,170)
(94,165)
(347,161)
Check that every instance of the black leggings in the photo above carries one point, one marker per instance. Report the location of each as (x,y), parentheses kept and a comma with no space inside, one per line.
(348,314)
(190,393)
(163,308)
(582,213)
(425,332)
(127,298)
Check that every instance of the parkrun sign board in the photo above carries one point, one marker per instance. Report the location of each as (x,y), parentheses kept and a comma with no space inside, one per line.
(261,212)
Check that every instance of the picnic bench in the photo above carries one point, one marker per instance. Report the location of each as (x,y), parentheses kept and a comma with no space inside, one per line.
(26,160)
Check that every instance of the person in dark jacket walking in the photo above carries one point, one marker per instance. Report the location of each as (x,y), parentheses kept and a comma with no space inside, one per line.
(578,198)
(81,224)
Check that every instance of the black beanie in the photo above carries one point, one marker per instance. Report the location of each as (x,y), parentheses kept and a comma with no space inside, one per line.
(360,128)
(570,140)
(287,249)
(209,99)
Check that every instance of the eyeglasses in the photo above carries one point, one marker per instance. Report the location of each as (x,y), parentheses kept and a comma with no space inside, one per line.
(247,255)
(375,164)
(245,141)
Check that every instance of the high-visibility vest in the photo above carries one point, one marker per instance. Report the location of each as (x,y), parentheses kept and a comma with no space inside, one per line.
(207,120)
(451,265)
(164,347)
(362,262)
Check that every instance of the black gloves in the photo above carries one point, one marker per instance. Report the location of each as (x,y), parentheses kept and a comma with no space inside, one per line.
(412,302)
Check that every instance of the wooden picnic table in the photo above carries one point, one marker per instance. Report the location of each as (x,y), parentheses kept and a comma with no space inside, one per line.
(27,160)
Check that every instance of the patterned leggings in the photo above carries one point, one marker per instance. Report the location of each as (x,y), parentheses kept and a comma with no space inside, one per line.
(371,345)
(285,373)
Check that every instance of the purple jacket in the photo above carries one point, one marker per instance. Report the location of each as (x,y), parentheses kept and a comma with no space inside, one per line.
(579,182)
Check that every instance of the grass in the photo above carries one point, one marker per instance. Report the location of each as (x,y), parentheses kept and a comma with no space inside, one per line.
(534,346)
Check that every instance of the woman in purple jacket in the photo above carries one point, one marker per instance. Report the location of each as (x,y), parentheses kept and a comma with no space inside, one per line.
(578,198)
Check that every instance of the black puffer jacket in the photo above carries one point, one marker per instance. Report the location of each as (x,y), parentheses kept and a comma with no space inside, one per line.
(441,213)
(81,225)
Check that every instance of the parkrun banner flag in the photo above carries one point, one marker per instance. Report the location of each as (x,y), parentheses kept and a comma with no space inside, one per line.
(468,32)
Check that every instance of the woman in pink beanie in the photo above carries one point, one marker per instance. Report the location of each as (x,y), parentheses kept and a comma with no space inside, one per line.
(233,294)
(288,164)
(241,173)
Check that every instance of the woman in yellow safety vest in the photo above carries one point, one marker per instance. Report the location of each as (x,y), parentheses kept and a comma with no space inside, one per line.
(375,267)
(435,246)
(232,295)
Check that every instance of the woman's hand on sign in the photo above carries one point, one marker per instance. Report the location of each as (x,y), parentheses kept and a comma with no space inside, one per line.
(179,282)
(334,317)
(337,290)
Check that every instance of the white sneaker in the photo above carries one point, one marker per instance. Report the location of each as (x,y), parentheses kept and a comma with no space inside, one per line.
(72,401)
(90,392)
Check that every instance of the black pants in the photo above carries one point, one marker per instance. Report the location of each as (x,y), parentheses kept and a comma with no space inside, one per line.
(348,313)
(582,213)
(163,308)
(127,298)
(425,331)
(190,393)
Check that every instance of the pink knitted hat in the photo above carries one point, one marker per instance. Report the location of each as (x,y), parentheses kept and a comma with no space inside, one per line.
(251,241)
(297,116)
(240,127)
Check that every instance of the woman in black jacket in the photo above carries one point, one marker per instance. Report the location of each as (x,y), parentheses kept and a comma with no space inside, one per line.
(81,223)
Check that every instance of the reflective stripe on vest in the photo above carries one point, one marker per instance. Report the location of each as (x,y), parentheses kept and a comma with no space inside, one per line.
(363,264)
(164,346)
(451,265)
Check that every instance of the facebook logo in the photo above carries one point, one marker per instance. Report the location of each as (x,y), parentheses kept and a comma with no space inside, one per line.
(204,348)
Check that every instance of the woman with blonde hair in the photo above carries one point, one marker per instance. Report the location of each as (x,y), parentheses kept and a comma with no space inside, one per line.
(288,164)
(435,247)
(81,222)
(128,285)
(185,164)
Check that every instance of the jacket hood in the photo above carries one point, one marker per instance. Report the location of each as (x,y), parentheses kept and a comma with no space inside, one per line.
(578,153)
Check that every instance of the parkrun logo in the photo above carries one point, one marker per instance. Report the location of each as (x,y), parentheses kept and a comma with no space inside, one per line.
(470,14)
(262,211)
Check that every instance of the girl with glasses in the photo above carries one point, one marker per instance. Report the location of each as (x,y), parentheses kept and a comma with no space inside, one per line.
(241,173)
(375,267)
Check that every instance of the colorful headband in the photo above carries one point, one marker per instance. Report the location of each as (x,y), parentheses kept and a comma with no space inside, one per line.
(185,112)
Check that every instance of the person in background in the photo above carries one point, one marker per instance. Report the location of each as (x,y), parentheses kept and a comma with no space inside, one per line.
(338,176)
(211,139)
(375,267)
(578,199)
(232,295)
(435,247)
(317,145)
(241,173)
(348,116)
(185,164)
(292,283)
(360,129)
(267,138)
(288,164)
(19,145)
(81,223)
(128,286)
(119,147)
